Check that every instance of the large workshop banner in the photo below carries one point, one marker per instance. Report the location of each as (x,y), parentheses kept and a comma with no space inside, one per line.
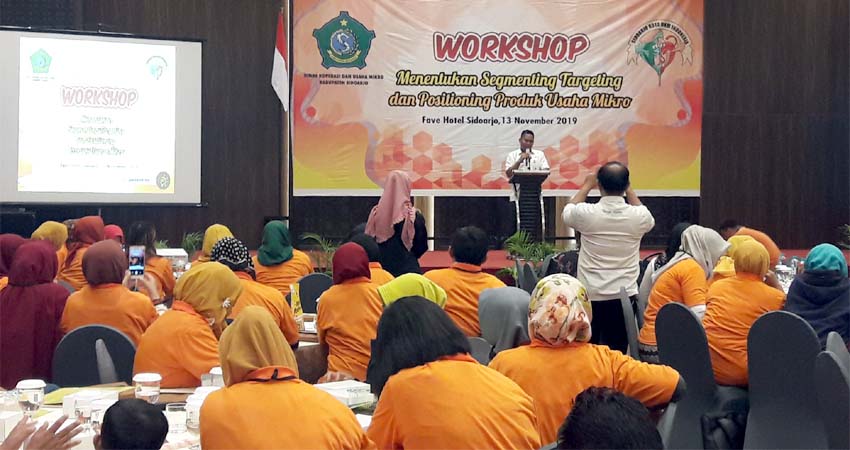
(442,89)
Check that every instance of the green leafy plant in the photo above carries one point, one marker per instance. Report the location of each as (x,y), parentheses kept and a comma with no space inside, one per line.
(522,247)
(844,230)
(192,242)
(323,257)
(507,272)
(163,243)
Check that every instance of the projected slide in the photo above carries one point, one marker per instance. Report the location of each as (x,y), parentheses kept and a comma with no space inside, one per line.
(96,117)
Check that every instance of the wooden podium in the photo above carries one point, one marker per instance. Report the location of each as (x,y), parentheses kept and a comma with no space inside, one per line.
(529,204)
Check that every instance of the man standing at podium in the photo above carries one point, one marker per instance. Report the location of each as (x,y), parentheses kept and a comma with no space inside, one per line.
(523,159)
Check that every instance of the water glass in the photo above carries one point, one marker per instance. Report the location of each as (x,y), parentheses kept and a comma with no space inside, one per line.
(176,415)
(83,411)
(147,386)
(217,377)
(193,412)
(30,396)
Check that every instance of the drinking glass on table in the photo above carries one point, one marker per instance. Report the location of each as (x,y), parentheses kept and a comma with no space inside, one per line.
(83,412)
(176,415)
(147,386)
(30,396)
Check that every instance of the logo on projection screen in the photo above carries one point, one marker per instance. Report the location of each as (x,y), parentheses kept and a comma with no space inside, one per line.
(40,61)
(658,43)
(163,180)
(156,66)
(344,42)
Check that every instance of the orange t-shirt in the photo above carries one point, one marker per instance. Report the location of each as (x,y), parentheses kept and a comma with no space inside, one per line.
(453,403)
(269,415)
(4,282)
(765,240)
(73,272)
(683,283)
(379,275)
(541,371)
(160,269)
(112,305)
(347,321)
(285,274)
(180,346)
(256,294)
(734,304)
(463,284)
(61,255)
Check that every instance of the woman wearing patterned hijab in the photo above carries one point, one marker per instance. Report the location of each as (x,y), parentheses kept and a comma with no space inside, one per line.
(559,317)
(234,254)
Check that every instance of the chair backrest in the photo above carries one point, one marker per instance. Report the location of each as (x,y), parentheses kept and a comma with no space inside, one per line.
(66,285)
(311,288)
(835,344)
(781,352)
(833,388)
(528,279)
(631,324)
(543,271)
(480,349)
(76,362)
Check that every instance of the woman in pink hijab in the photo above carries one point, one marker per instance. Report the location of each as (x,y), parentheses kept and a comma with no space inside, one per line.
(398,227)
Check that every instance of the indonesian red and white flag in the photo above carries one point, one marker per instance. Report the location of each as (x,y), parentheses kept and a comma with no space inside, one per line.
(280,77)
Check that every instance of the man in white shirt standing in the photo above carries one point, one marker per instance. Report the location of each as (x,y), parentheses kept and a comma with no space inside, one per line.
(524,159)
(609,257)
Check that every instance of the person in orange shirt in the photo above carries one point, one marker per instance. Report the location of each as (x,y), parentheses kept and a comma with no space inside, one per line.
(731,228)
(144,233)
(725,268)
(379,275)
(263,403)
(212,235)
(182,344)
(734,304)
(9,244)
(412,285)
(55,233)
(105,300)
(432,394)
(464,280)
(348,313)
(234,254)
(683,279)
(86,232)
(559,326)
(278,264)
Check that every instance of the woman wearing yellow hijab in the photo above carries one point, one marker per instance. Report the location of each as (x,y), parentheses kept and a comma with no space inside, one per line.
(733,305)
(725,268)
(55,233)
(214,233)
(182,345)
(261,378)
(412,285)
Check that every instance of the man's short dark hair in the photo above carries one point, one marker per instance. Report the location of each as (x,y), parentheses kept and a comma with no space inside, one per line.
(133,424)
(524,132)
(369,244)
(469,245)
(603,418)
(613,177)
(728,224)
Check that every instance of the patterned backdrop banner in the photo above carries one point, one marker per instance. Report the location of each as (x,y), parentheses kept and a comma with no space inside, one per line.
(443,88)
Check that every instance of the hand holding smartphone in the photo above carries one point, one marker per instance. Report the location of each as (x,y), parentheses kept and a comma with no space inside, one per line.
(137,261)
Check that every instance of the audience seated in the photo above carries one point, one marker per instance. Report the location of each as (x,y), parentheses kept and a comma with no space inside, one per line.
(278,264)
(464,281)
(144,233)
(132,424)
(559,326)
(212,235)
(379,275)
(234,254)
(104,300)
(86,232)
(114,233)
(683,279)
(55,233)
(731,228)
(821,294)
(348,313)
(603,418)
(412,285)
(398,227)
(30,312)
(182,344)
(503,313)
(674,243)
(433,394)
(734,304)
(9,244)
(725,267)
(264,405)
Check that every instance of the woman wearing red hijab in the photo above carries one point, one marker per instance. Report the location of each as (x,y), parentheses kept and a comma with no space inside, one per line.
(32,307)
(114,232)
(398,227)
(87,231)
(9,244)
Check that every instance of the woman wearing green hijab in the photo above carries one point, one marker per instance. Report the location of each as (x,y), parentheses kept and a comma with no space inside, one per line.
(277,263)
(821,294)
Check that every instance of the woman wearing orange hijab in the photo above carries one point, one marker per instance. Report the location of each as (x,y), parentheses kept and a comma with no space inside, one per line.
(9,244)
(263,400)
(398,227)
(182,344)
(57,234)
(87,231)
(212,235)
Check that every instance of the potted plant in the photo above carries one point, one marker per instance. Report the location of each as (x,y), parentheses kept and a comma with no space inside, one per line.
(323,257)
